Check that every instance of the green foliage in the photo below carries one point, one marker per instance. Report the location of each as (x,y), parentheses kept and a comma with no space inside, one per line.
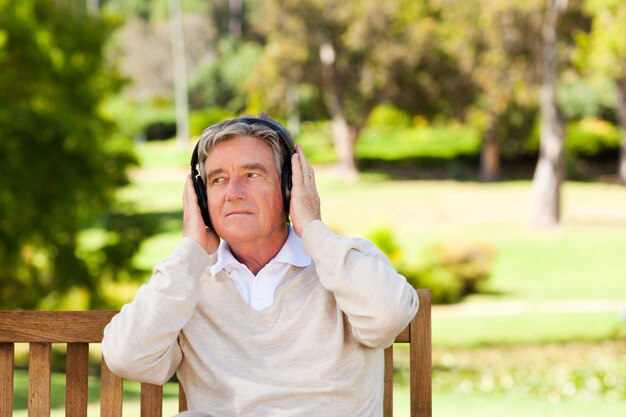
(221,81)
(579,97)
(587,137)
(60,161)
(317,143)
(201,119)
(603,49)
(382,51)
(387,115)
(379,142)
(134,117)
(451,271)
(386,242)
(591,136)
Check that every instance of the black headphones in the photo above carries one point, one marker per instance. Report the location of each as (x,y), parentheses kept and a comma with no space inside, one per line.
(285,176)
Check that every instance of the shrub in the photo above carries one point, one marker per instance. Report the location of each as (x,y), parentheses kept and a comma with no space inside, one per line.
(587,137)
(591,136)
(451,272)
(387,115)
(386,242)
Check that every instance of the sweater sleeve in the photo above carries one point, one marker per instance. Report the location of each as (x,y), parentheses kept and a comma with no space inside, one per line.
(141,342)
(378,302)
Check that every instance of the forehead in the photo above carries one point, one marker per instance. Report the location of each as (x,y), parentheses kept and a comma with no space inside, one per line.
(239,151)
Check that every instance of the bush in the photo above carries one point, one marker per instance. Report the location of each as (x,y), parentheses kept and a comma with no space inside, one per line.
(386,115)
(451,272)
(591,136)
(587,137)
(386,242)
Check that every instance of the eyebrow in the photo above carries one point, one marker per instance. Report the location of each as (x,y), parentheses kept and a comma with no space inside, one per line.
(255,167)
(250,166)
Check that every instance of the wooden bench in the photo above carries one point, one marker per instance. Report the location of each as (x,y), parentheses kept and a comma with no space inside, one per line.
(79,328)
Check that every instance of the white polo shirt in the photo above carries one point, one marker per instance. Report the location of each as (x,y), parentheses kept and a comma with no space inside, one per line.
(259,291)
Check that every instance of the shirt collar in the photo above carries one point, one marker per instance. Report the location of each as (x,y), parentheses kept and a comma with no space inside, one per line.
(291,253)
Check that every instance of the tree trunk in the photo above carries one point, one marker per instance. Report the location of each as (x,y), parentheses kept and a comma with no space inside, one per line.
(234,19)
(620,89)
(549,173)
(344,135)
(93,6)
(490,153)
(179,73)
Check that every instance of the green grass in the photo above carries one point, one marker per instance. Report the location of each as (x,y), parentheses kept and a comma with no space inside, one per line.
(505,329)
(482,405)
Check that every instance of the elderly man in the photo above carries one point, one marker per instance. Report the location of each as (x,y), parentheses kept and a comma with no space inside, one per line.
(256,316)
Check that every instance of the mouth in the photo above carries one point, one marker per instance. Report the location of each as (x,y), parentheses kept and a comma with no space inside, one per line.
(237,213)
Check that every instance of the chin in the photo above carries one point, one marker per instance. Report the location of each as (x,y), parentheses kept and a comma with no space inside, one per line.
(238,231)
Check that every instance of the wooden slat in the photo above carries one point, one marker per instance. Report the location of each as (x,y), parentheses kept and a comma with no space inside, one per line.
(403,337)
(388,383)
(182,398)
(39,379)
(6,379)
(421,359)
(151,400)
(53,326)
(111,387)
(77,364)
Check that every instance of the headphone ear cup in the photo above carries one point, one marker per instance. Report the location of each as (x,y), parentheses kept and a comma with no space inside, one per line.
(199,186)
(286,185)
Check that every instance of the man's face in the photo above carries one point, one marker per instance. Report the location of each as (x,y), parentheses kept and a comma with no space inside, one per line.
(244,191)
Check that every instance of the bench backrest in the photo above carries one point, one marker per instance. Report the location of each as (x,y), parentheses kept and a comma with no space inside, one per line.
(79,328)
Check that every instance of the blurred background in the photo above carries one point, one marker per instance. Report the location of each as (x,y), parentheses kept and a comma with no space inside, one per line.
(481,144)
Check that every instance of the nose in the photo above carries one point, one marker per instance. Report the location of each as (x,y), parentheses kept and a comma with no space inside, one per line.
(234,190)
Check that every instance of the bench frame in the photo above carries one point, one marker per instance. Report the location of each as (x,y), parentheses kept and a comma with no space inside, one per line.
(79,328)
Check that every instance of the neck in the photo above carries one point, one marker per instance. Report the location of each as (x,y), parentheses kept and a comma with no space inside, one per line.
(255,255)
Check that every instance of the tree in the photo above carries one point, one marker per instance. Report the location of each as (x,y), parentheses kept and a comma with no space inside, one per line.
(359,54)
(497,46)
(549,172)
(60,162)
(603,52)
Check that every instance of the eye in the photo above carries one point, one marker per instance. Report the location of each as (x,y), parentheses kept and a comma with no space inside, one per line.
(217,180)
(252,174)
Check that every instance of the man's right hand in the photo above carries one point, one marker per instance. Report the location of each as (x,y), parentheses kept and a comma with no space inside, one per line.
(193,225)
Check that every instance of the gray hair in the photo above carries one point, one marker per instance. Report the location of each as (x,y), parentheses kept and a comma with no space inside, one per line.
(230,129)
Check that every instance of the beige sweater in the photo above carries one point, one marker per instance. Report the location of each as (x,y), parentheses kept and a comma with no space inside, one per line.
(317,351)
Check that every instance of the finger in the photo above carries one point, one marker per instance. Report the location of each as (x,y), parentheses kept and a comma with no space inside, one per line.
(189,193)
(296,168)
(304,163)
(306,170)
